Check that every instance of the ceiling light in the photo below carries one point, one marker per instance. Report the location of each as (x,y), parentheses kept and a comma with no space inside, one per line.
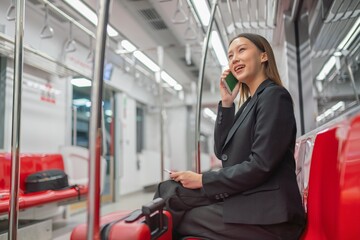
(339,106)
(84,10)
(146,61)
(81,82)
(178,87)
(90,15)
(128,46)
(80,101)
(169,80)
(208,112)
(337,54)
(108,112)
(326,68)
(218,48)
(203,11)
(111,31)
(350,36)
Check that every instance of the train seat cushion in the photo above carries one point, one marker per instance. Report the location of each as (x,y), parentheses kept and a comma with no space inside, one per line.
(31,163)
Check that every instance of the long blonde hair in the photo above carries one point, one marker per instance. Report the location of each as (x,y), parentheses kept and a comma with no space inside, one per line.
(271,70)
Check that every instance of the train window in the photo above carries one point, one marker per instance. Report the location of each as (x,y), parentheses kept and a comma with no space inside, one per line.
(81,116)
(139,129)
(2,99)
(337,81)
(80,128)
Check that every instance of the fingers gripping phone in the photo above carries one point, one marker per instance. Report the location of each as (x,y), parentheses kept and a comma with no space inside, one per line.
(167,170)
(230,82)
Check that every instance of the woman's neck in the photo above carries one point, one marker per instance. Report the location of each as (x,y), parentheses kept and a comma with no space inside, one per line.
(254,83)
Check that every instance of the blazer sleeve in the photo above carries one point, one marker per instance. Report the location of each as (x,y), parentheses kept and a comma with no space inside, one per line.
(275,131)
(223,124)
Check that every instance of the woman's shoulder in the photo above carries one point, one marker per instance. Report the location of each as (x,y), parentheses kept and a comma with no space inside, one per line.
(274,89)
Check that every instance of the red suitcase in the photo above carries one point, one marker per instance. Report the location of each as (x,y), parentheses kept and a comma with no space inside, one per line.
(149,223)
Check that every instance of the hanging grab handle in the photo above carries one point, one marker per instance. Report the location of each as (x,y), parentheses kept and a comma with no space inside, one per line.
(179,15)
(46,31)
(10,13)
(70,45)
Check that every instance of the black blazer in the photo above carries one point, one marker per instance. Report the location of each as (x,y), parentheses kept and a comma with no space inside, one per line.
(257,182)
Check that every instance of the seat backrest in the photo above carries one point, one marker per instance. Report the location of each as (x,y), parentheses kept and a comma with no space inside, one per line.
(303,153)
(76,161)
(349,167)
(323,193)
(29,163)
(328,174)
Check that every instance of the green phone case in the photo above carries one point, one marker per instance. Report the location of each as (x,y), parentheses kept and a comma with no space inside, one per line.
(230,82)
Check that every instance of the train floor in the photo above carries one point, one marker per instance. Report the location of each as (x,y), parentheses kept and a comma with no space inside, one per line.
(62,228)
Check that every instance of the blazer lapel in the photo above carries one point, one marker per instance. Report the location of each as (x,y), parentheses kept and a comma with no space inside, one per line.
(247,109)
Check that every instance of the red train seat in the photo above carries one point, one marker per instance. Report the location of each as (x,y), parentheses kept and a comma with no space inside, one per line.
(31,163)
(332,193)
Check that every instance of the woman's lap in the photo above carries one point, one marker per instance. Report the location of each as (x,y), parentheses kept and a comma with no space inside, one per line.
(207,222)
(194,214)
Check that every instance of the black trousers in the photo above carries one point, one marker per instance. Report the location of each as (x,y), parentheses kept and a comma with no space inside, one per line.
(194,214)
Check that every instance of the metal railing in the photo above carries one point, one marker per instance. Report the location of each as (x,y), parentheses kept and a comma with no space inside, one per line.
(16,116)
(95,143)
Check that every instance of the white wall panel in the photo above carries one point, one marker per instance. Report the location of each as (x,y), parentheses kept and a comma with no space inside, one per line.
(43,117)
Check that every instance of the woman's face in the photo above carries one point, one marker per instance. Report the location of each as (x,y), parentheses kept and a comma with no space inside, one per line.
(244,59)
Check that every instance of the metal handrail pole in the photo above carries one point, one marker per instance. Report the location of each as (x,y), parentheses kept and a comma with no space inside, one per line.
(160,53)
(74,125)
(200,87)
(95,143)
(16,116)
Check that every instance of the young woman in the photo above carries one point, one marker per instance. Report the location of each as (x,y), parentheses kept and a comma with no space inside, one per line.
(255,195)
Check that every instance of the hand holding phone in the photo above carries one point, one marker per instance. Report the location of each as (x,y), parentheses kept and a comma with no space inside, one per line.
(230,82)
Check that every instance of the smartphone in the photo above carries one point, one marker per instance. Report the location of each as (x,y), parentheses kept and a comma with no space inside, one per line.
(167,170)
(230,82)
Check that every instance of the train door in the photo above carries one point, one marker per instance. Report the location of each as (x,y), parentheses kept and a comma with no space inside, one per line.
(81,103)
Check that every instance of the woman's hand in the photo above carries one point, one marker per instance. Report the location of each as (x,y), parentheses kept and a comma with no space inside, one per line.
(227,98)
(188,179)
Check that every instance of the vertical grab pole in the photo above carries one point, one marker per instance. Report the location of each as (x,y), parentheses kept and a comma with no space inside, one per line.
(74,125)
(352,79)
(95,125)
(200,88)
(16,114)
(160,53)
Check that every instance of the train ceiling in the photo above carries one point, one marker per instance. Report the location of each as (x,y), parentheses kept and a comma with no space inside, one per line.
(175,25)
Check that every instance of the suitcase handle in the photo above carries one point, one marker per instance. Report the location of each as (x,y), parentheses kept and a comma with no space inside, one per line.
(146,210)
(155,205)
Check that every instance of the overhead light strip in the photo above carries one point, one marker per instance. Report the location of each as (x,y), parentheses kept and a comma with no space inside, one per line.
(350,36)
(208,112)
(326,68)
(146,61)
(90,15)
(129,47)
(218,48)
(203,11)
(81,82)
